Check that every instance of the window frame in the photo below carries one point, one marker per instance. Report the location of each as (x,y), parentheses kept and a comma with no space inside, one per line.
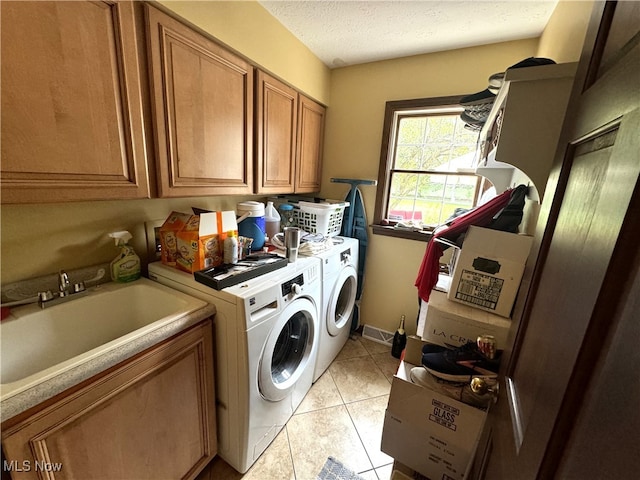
(393,108)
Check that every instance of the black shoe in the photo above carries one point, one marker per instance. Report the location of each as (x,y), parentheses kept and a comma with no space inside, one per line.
(472,122)
(461,364)
(480,98)
(433,348)
(532,62)
(497,79)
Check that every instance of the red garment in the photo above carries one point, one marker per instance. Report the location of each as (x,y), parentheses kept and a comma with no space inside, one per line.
(480,216)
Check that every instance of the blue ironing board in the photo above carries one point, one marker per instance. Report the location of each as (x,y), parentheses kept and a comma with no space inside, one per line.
(354,225)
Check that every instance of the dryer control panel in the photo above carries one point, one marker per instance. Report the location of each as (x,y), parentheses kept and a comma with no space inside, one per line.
(345,256)
(288,286)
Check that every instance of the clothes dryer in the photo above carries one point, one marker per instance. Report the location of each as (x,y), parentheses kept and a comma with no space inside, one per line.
(266,337)
(339,286)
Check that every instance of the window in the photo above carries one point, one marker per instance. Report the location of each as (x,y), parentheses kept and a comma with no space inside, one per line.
(426,164)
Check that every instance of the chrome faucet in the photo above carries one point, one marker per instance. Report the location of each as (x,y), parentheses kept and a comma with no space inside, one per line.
(66,291)
(63,283)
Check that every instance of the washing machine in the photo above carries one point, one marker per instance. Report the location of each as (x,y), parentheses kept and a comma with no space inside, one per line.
(339,284)
(266,337)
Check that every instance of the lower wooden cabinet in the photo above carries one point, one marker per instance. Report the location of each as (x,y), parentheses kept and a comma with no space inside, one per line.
(151,417)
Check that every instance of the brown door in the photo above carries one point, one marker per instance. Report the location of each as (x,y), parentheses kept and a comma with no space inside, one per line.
(570,386)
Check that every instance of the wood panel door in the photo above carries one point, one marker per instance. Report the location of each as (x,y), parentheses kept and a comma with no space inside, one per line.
(276,121)
(151,417)
(72,124)
(202,109)
(311,119)
(564,411)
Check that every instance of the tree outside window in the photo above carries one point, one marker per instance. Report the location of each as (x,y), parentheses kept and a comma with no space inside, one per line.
(426,166)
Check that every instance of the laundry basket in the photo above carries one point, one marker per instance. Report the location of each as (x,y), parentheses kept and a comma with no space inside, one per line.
(324,218)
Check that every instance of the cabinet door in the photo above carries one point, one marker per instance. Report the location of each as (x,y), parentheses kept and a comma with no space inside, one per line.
(202,109)
(276,120)
(72,126)
(311,116)
(151,417)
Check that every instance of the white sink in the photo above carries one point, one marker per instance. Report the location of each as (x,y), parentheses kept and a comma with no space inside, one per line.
(37,344)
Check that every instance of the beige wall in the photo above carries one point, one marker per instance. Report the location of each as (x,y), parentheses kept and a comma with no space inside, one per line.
(40,239)
(352,150)
(563,38)
(354,134)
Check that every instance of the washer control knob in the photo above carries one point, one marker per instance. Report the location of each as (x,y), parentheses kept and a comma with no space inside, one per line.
(296,289)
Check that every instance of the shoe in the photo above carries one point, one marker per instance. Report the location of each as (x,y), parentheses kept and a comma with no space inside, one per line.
(472,122)
(495,82)
(473,127)
(532,62)
(478,114)
(460,391)
(480,98)
(461,364)
(497,79)
(433,348)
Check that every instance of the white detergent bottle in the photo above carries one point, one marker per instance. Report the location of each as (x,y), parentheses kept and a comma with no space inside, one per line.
(126,266)
(271,220)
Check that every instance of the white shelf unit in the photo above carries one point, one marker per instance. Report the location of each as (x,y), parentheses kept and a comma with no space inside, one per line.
(519,139)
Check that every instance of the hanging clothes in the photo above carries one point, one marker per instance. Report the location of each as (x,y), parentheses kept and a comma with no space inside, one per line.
(482,216)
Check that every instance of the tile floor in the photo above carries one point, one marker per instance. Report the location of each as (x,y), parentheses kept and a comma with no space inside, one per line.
(341,416)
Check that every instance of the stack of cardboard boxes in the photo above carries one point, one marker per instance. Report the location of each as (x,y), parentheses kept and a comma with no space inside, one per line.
(195,242)
(427,430)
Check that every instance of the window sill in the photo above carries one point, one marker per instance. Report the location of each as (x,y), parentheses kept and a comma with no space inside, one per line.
(423,236)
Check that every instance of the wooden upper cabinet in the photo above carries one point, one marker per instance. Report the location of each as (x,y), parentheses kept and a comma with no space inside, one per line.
(203,111)
(276,121)
(72,126)
(311,118)
(289,136)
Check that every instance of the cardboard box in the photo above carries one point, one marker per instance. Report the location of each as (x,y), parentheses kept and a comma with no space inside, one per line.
(428,432)
(489,269)
(168,237)
(188,241)
(194,242)
(413,350)
(452,324)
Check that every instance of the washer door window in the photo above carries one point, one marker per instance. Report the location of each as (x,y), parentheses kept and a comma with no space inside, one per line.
(342,300)
(288,349)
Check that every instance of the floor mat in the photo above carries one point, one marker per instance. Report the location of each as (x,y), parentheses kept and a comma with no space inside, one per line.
(334,470)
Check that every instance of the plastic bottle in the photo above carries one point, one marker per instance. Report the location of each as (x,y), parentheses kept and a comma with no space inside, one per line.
(288,218)
(271,220)
(230,248)
(126,266)
(251,223)
(399,340)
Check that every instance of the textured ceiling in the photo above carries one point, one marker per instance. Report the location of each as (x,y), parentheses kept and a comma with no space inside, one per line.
(349,32)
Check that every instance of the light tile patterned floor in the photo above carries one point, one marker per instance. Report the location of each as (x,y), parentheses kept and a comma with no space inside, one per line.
(341,416)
